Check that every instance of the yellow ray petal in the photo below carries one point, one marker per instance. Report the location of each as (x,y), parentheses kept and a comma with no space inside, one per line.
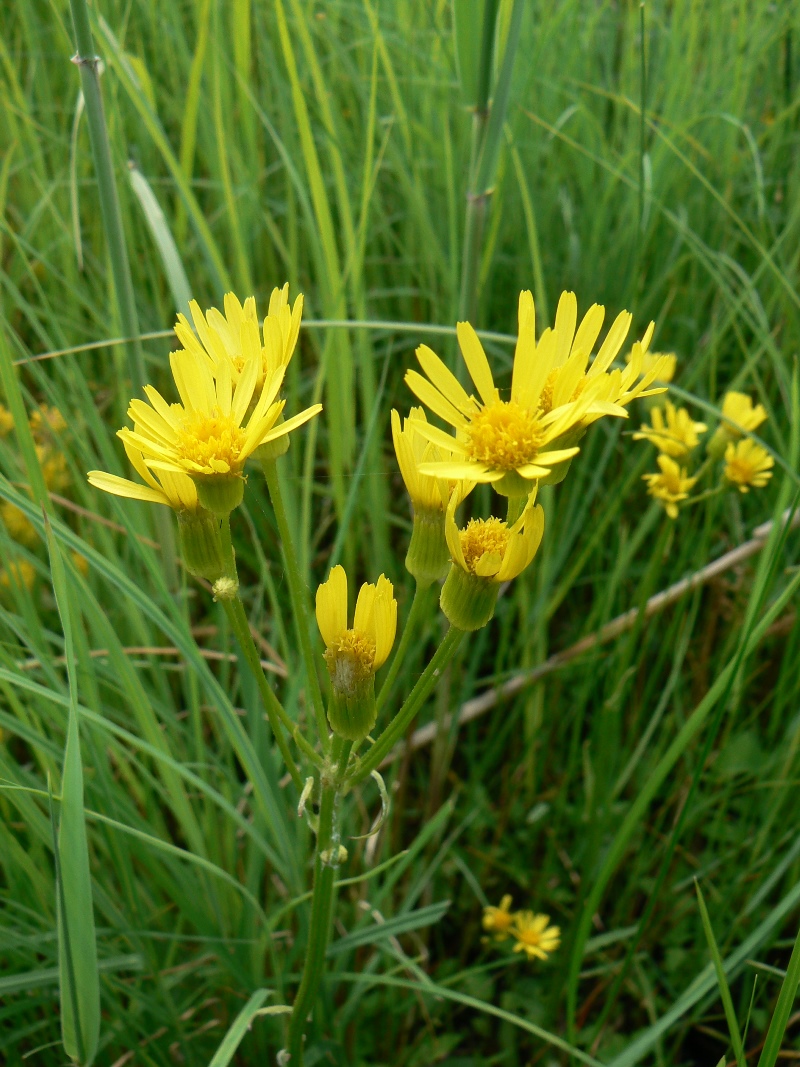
(476,361)
(365,604)
(433,399)
(384,620)
(445,381)
(566,317)
(612,344)
(331,606)
(442,440)
(110,483)
(245,387)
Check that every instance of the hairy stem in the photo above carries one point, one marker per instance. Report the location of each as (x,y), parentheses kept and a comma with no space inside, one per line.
(418,695)
(322,903)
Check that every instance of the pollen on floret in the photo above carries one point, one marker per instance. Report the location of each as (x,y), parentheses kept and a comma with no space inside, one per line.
(504,436)
(481,536)
(350,660)
(534,935)
(214,441)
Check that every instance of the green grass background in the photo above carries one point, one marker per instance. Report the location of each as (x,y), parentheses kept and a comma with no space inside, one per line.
(327,144)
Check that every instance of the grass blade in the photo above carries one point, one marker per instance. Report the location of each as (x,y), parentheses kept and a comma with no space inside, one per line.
(725,993)
(780,1018)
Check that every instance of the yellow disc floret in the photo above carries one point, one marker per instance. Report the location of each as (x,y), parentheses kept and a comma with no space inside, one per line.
(350,660)
(212,441)
(482,537)
(504,436)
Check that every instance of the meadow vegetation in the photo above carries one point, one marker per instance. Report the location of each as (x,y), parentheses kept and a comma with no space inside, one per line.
(648,162)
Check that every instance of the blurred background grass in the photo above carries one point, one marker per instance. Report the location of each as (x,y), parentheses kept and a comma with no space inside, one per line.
(327,144)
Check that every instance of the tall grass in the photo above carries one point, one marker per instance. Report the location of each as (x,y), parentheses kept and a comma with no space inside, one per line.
(327,144)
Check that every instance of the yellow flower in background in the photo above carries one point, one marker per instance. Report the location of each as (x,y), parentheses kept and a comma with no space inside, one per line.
(672,430)
(206,436)
(6,421)
(740,408)
(748,465)
(534,935)
(553,397)
(664,363)
(497,921)
(354,654)
(17,523)
(234,337)
(46,421)
(18,572)
(177,491)
(670,486)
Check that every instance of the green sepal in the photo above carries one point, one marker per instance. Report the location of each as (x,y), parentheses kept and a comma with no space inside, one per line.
(272,450)
(468,601)
(220,494)
(201,545)
(352,712)
(428,556)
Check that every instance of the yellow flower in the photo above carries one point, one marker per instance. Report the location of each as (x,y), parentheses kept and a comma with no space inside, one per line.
(675,435)
(6,421)
(534,935)
(484,554)
(19,526)
(670,486)
(413,449)
(354,654)
(490,548)
(177,491)
(234,337)
(204,436)
(748,465)
(665,364)
(553,397)
(54,468)
(18,572)
(740,409)
(497,921)
(46,421)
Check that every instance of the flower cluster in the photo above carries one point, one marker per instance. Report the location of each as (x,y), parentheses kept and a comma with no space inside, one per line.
(512,443)
(677,436)
(46,424)
(532,933)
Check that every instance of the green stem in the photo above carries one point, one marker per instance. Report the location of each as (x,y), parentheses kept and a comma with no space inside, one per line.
(322,902)
(418,695)
(299,595)
(417,605)
(276,713)
(88,64)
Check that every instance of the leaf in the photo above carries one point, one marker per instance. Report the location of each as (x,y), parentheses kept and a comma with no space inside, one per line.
(727,1003)
(77,946)
(468,24)
(45,976)
(165,242)
(780,1018)
(401,924)
(238,1028)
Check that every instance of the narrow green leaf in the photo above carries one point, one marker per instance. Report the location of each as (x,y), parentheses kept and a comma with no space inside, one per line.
(165,242)
(400,924)
(239,1027)
(47,976)
(77,946)
(780,1018)
(725,993)
(468,25)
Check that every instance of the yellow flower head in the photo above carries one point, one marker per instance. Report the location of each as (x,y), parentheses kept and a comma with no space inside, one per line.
(46,421)
(176,490)
(6,421)
(665,364)
(352,653)
(19,526)
(206,436)
(672,430)
(234,337)
(534,935)
(490,548)
(552,396)
(18,572)
(413,449)
(670,486)
(740,409)
(497,921)
(748,465)
(54,467)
